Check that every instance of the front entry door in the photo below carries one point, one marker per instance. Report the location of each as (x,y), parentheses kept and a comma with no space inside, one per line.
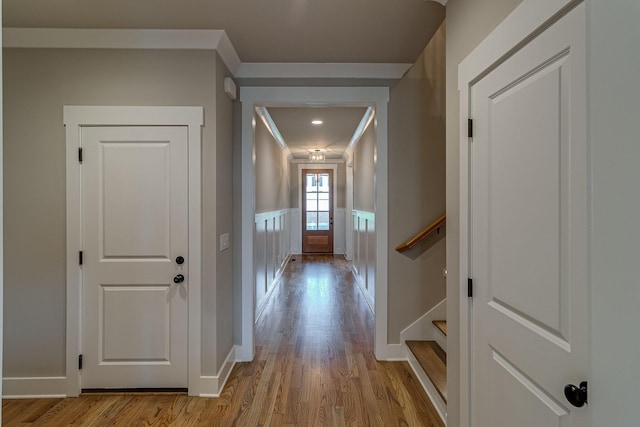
(317,211)
(529,207)
(135,241)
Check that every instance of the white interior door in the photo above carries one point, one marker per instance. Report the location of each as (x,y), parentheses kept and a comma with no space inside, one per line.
(134,213)
(529,188)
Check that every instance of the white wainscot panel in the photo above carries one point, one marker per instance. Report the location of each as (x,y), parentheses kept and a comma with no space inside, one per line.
(272,249)
(295,231)
(339,231)
(364,253)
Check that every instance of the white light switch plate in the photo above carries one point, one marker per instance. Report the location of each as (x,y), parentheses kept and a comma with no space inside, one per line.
(224,241)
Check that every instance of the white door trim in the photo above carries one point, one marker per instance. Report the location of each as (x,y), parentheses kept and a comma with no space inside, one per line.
(299,219)
(527,21)
(76,117)
(252,97)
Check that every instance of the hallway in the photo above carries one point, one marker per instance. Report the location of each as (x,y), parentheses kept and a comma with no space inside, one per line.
(314,365)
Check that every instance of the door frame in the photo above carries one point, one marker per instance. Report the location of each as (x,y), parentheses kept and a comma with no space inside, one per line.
(525,23)
(76,117)
(252,97)
(334,185)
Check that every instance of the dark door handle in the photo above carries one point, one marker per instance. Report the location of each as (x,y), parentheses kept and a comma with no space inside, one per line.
(179,260)
(577,396)
(178,279)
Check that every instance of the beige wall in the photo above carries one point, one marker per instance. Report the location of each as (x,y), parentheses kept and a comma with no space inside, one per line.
(468,23)
(38,83)
(416,187)
(364,171)
(272,172)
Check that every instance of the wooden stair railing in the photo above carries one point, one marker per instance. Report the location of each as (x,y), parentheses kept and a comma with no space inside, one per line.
(426,232)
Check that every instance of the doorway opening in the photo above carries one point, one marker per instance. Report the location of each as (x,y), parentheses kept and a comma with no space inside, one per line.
(257,97)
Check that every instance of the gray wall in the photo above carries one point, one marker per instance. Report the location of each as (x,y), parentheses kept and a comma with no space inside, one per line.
(341,184)
(417,187)
(364,171)
(224,340)
(468,23)
(613,70)
(272,172)
(38,82)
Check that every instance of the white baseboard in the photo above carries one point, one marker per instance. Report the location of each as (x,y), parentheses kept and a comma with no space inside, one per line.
(394,353)
(423,328)
(34,387)
(365,293)
(212,386)
(56,387)
(262,304)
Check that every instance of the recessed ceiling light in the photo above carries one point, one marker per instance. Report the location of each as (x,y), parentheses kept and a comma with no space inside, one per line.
(316,122)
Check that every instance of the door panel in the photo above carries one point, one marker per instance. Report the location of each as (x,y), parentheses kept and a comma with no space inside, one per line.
(317,211)
(143,312)
(529,224)
(134,191)
(130,169)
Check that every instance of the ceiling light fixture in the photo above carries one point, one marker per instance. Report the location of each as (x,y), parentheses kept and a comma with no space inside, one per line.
(316,122)
(316,156)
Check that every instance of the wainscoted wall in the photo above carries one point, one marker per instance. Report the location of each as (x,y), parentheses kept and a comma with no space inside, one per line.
(339,231)
(364,253)
(272,249)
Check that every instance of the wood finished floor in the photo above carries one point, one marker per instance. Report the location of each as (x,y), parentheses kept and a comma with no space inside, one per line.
(314,366)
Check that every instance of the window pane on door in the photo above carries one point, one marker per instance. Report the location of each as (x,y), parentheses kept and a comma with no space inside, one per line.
(323,220)
(311,183)
(323,202)
(312,220)
(312,203)
(323,179)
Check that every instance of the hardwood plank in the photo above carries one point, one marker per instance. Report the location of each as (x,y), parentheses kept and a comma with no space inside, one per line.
(441,325)
(314,365)
(434,362)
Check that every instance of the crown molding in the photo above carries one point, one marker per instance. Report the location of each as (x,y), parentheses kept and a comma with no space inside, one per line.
(92,38)
(110,38)
(310,70)
(263,113)
(367,118)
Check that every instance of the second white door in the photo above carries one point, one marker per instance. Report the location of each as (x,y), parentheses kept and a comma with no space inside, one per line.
(135,241)
(529,213)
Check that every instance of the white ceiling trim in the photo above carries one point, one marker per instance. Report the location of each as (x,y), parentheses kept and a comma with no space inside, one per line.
(367,118)
(273,130)
(109,38)
(321,70)
(85,38)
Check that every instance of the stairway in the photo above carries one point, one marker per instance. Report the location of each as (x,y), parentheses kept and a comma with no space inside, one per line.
(428,359)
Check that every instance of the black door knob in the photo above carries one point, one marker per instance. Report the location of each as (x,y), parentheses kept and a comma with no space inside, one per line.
(577,396)
(179,260)
(178,279)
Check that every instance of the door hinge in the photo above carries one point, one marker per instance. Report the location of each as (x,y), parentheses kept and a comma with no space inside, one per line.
(470,128)
(80,257)
(80,155)
(470,288)
(80,362)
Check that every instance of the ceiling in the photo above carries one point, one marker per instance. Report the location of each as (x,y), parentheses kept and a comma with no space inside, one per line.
(377,31)
(271,31)
(301,136)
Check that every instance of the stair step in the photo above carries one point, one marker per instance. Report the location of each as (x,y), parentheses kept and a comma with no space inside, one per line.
(442,325)
(433,361)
